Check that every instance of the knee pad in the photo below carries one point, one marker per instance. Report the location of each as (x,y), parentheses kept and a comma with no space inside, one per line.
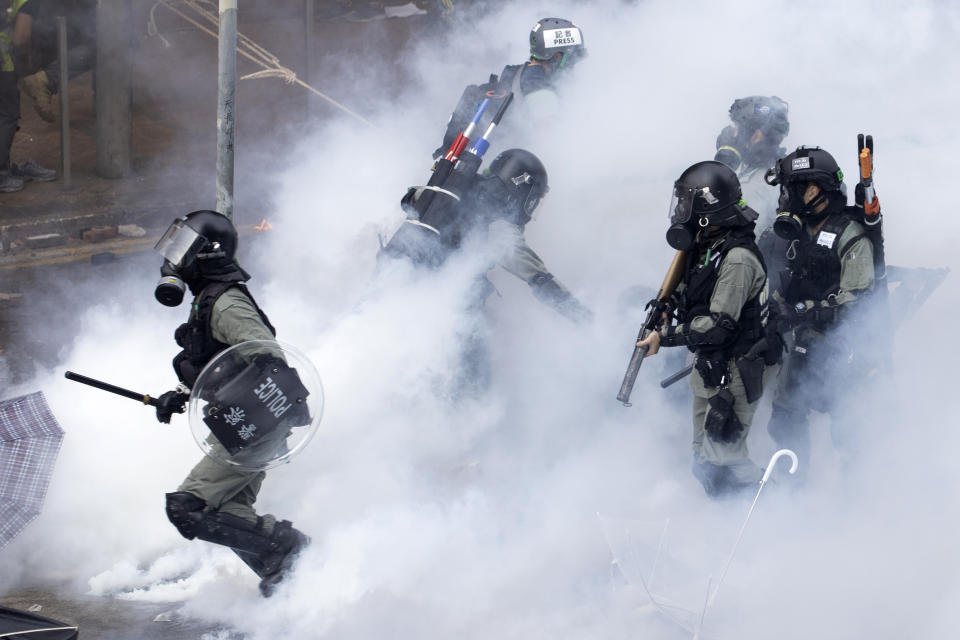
(185,512)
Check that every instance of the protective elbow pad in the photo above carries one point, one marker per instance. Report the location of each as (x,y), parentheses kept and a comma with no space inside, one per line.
(724,327)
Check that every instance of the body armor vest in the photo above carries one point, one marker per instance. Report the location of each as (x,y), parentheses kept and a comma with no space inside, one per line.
(813,263)
(700,281)
(195,336)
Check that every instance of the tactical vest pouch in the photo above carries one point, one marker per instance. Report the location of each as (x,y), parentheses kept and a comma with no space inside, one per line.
(182,335)
(722,423)
(713,371)
(258,405)
(186,372)
(751,373)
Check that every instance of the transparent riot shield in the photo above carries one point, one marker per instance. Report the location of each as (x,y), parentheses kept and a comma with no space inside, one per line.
(256,405)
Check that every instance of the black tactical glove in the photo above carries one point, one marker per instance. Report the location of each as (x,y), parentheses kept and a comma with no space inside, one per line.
(170,403)
(722,424)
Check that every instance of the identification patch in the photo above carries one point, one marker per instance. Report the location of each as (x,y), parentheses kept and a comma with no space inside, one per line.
(800,163)
(826,239)
(553,38)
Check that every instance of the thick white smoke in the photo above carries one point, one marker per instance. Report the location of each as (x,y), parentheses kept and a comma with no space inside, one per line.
(433,517)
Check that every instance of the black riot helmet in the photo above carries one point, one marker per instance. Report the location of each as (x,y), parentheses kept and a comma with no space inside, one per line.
(794,173)
(739,142)
(522,182)
(198,247)
(706,195)
(553,36)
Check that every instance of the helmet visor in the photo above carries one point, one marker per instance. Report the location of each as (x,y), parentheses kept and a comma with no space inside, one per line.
(681,205)
(177,242)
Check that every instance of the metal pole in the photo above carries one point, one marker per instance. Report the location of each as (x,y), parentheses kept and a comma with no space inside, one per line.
(114,94)
(64,103)
(308,28)
(226,102)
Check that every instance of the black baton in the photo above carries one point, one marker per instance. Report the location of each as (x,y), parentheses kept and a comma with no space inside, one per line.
(105,386)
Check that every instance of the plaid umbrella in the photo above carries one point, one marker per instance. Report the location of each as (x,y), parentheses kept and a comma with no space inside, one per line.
(29,441)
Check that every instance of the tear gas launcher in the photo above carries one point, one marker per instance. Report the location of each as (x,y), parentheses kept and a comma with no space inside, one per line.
(657,307)
(105,386)
(866,198)
(452,173)
(432,209)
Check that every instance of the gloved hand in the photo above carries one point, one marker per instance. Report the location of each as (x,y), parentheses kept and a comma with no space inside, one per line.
(811,312)
(859,196)
(170,403)
(722,423)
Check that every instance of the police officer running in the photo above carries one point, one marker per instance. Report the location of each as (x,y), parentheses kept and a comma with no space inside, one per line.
(215,502)
(722,316)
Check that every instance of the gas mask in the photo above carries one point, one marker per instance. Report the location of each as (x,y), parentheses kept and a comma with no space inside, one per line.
(171,287)
(788,225)
(178,246)
(792,210)
(682,233)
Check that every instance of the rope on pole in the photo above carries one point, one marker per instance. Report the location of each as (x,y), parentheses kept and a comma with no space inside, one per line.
(245,47)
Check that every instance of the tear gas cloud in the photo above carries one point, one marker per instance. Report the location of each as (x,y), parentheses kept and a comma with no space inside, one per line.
(479,517)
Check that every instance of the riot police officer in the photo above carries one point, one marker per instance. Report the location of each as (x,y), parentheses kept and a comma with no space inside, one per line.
(215,502)
(823,296)
(492,214)
(721,314)
(487,212)
(750,145)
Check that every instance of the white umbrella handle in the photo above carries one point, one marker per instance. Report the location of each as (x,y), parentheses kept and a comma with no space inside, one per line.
(766,476)
(773,463)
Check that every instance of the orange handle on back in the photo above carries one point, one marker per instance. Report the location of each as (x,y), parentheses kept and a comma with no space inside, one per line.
(866,163)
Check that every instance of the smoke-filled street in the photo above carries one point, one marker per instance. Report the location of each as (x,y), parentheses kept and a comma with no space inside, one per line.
(530,504)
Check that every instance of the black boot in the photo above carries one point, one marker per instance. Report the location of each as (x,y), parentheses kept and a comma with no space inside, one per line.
(270,555)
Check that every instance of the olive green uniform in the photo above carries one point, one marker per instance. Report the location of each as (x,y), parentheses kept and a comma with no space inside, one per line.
(234,319)
(740,278)
(822,362)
